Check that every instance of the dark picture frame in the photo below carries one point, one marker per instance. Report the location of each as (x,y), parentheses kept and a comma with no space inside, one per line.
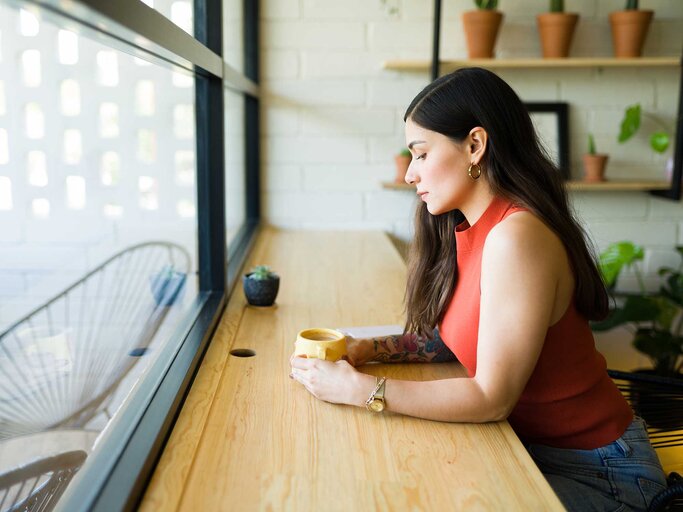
(552,126)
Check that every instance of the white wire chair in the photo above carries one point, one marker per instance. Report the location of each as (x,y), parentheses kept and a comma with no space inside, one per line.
(61,363)
(37,486)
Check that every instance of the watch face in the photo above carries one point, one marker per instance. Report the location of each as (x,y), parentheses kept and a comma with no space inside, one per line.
(377,405)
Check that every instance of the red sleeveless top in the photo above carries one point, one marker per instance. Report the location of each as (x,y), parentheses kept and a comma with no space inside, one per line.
(569,400)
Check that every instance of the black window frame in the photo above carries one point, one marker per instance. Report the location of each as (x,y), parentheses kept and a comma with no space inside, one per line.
(118,472)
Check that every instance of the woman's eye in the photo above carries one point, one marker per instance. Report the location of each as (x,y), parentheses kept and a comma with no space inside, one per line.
(421,157)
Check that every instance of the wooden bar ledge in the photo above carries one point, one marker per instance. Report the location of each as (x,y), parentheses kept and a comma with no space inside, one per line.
(250,438)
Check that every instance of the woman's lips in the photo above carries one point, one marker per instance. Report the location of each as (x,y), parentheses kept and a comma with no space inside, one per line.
(422,195)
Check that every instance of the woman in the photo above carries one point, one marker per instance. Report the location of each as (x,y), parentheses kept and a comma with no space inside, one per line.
(500,265)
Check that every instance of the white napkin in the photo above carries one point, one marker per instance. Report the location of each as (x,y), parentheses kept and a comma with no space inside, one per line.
(371,331)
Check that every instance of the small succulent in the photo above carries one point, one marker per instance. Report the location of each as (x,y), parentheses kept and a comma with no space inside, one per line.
(591,144)
(390,7)
(488,5)
(261,272)
(556,5)
(631,5)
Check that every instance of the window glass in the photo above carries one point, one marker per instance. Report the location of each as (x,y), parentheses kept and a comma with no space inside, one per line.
(98,237)
(234,163)
(233,34)
(179,12)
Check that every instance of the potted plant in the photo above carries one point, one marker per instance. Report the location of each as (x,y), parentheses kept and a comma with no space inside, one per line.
(402,161)
(556,29)
(481,28)
(167,285)
(656,322)
(629,29)
(261,286)
(594,163)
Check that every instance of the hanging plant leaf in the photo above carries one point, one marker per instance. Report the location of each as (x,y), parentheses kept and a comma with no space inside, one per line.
(630,123)
(659,141)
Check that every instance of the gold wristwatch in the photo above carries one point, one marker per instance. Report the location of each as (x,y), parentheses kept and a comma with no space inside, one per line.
(376,401)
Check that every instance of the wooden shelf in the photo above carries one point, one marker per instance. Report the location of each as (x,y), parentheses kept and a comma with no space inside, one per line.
(605,186)
(625,185)
(570,62)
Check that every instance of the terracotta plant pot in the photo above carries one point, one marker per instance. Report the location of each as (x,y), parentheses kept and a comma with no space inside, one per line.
(556,30)
(629,29)
(402,163)
(594,168)
(481,30)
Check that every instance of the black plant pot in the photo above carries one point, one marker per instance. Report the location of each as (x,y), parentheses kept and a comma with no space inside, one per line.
(658,399)
(261,292)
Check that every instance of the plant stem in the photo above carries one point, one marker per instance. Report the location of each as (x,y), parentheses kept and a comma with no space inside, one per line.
(639,278)
(657,121)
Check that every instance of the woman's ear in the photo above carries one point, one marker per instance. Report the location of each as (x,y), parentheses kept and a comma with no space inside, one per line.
(478,138)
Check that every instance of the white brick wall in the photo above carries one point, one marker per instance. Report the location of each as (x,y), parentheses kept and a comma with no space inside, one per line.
(333,117)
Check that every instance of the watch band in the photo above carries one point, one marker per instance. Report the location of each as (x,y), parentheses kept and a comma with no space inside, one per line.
(375,401)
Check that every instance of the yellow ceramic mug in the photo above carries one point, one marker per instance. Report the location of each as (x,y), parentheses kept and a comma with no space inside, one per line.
(321,344)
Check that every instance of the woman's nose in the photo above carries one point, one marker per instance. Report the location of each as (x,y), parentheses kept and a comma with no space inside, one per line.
(410,176)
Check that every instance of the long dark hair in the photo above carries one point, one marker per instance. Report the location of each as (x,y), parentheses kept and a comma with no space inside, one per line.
(516,167)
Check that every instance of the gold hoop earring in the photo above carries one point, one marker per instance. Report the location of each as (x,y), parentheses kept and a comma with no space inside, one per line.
(474,171)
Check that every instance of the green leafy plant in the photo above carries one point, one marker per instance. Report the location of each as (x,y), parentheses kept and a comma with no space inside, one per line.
(631,5)
(630,124)
(488,5)
(261,272)
(655,318)
(591,145)
(404,152)
(556,5)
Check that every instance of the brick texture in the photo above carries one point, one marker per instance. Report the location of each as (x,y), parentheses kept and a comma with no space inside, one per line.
(333,115)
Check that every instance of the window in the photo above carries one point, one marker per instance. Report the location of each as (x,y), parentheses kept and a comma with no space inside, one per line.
(107,173)
(235,182)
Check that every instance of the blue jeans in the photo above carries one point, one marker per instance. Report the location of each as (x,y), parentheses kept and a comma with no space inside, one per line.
(622,476)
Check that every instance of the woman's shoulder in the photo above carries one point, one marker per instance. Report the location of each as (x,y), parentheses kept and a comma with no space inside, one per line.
(522,232)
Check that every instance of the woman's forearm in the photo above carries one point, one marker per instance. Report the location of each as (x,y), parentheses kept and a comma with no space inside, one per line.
(460,399)
(451,400)
(408,348)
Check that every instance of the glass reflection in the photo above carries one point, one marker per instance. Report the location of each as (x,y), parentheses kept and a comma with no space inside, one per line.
(235,185)
(233,36)
(99,234)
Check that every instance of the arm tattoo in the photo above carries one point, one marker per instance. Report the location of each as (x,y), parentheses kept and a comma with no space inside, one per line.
(411,348)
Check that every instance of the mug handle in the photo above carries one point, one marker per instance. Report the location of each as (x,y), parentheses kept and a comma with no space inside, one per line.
(322,352)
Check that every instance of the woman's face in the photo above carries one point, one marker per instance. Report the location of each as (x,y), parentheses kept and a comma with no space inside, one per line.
(438,169)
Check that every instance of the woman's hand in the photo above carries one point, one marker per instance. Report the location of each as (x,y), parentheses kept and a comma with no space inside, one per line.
(338,383)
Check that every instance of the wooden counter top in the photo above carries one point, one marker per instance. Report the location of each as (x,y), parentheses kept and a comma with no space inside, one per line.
(250,438)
